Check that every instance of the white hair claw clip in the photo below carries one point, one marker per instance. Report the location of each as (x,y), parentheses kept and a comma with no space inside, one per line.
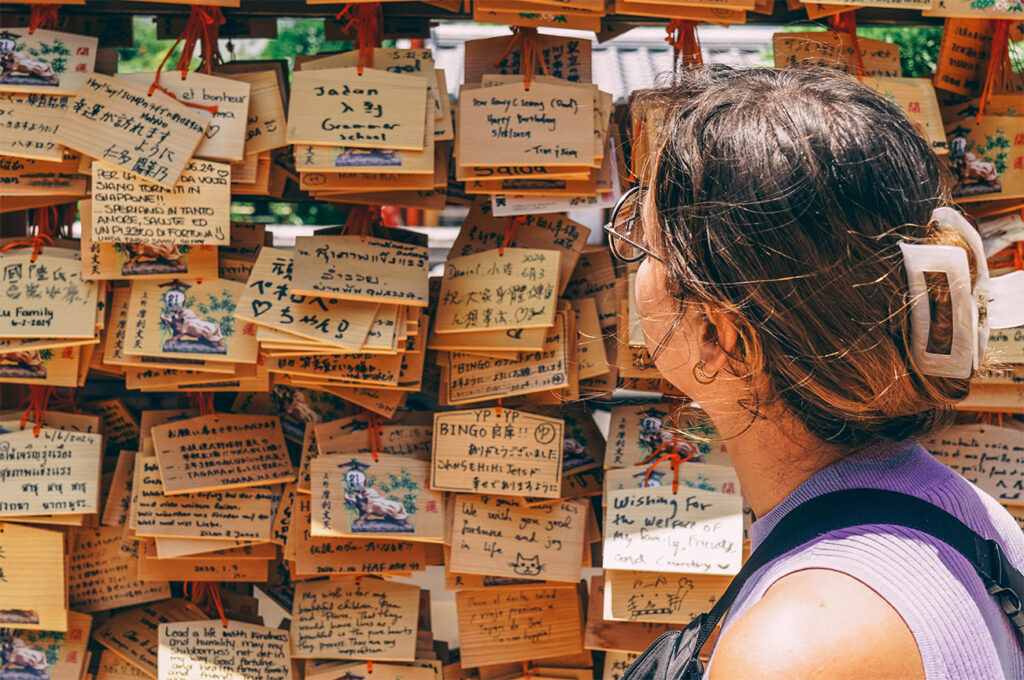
(991,303)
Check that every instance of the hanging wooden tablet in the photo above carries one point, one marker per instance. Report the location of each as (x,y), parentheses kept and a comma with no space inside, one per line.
(518,624)
(224,140)
(46,296)
(971,8)
(498,537)
(722,16)
(49,654)
(471,378)
(567,57)
(156,151)
(196,211)
(986,158)
(987,455)
(221,451)
(32,485)
(831,49)
(660,598)
(132,634)
(689,531)
(164,260)
(30,122)
(502,452)
(268,301)
(361,268)
(34,594)
(317,556)
(350,617)
(482,231)
(508,125)
(28,177)
(492,290)
(615,664)
(189,321)
(359,497)
(102,577)
(617,636)
(204,650)
(241,514)
(376,109)
(113,667)
(916,97)
(46,62)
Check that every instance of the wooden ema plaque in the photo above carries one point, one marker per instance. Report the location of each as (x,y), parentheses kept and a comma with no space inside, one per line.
(492,291)
(195,211)
(33,596)
(268,301)
(690,531)
(361,268)
(37,119)
(95,125)
(209,650)
(518,624)
(46,297)
(357,497)
(355,617)
(102,576)
(48,654)
(33,485)
(225,138)
(376,109)
(660,598)
(133,634)
(990,456)
(235,514)
(315,555)
(501,538)
(503,452)
(221,451)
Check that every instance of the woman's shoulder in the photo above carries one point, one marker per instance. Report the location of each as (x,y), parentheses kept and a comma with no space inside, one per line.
(818,623)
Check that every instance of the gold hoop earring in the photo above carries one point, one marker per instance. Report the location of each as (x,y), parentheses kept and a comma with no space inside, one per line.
(700,376)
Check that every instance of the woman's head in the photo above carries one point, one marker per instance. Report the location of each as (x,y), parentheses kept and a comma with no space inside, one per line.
(777,200)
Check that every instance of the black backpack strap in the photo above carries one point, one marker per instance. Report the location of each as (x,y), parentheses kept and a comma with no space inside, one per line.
(854,507)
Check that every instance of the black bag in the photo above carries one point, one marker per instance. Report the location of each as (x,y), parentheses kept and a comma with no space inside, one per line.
(674,655)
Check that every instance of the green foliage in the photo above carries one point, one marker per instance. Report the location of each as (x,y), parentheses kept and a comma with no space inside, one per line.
(55,54)
(301,36)
(46,354)
(146,53)
(213,309)
(395,486)
(996,150)
(919,46)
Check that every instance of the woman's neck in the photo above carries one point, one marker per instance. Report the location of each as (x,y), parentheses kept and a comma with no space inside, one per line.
(772,455)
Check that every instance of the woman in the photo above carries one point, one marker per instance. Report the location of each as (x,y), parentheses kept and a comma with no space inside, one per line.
(772,290)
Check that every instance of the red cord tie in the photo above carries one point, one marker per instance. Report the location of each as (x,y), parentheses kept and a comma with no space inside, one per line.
(35,242)
(42,16)
(203,594)
(672,456)
(203,401)
(374,432)
(203,26)
(367,19)
(682,36)
(846,22)
(510,231)
(1000,48)
(38,399)
(530,53)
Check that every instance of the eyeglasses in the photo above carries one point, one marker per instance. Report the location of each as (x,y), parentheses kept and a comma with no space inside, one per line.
(626,227)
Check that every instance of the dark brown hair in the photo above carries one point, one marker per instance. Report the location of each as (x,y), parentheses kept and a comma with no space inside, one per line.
(780,197)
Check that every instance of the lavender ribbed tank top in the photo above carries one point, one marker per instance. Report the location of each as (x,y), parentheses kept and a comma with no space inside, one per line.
(959,629)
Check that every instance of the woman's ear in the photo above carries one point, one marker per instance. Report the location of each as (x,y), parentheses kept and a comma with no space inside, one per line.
(718,339)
